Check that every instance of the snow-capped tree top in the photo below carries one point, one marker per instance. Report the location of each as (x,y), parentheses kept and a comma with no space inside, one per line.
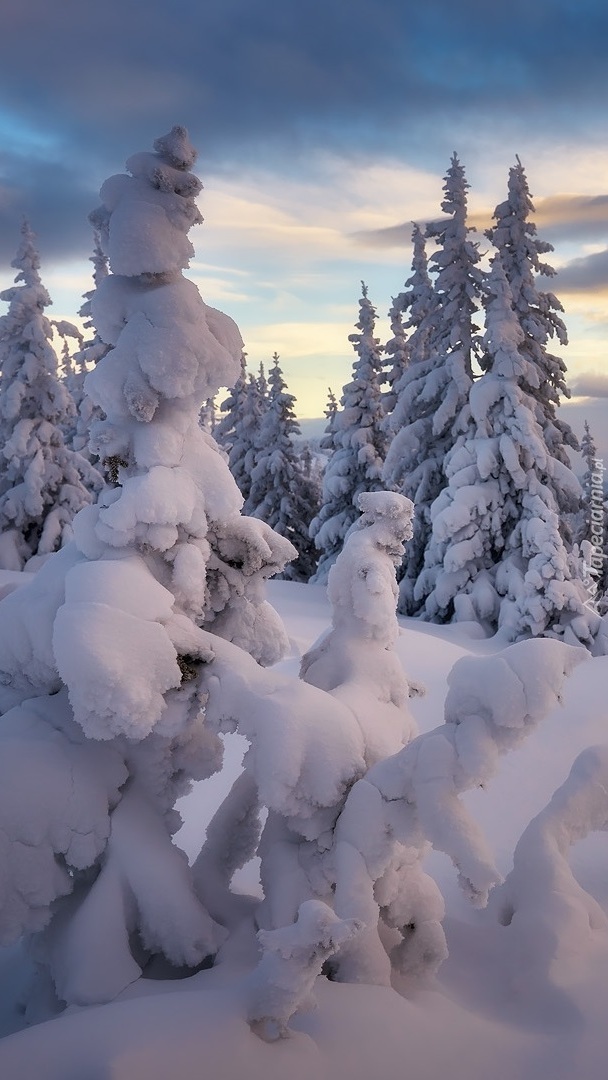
(27,263)
(366,321)
(29,364)
(280,407)
(420,296)
(459,280)
(145,218)
(588,447)
(515,236)
(455,191)
(100,271)
(27,259)
(538,312)
(331,407)
(177,148)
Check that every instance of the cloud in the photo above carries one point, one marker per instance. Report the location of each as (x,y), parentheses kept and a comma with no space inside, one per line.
(590,384)
(55,202)
(589,273)
(250,76)
(391,236)
(580,217)
(557,217)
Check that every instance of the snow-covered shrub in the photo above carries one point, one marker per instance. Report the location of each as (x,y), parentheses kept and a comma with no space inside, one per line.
(552,921)
(292,959)
(410,801)
(356,661)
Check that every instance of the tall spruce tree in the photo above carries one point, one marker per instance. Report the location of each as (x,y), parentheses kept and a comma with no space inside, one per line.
(281,493)
(591,523)
(538,312)
(254,410)
(90,353)
(43,483)
(588,448)
(433,393)
(396,351)
(496,553)
(228,431)
(408,467)
(359,444)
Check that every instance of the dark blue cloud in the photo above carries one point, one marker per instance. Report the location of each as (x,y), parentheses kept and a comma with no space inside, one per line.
(94,82)
(587,274)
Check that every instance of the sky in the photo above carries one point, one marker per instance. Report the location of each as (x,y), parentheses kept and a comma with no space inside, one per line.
(324,128)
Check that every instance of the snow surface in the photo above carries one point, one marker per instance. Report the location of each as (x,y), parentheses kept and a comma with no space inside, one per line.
(521,996)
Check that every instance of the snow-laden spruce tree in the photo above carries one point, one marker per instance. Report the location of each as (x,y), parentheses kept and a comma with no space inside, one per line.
(238,430)
(515,237)
(88,355)
(281,493)
(208,417)
(434,390)
(107,637)
(43,483)
(592,483)
(410,468)
(359,444)
(254,410)
(397,353)
(496,552)
(590,529)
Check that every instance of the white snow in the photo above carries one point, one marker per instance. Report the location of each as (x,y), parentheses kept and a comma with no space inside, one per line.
(480,1016)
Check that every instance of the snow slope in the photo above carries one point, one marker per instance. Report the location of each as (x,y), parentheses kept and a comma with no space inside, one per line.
(493,1010)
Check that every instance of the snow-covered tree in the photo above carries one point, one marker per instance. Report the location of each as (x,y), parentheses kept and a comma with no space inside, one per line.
(43,483)
(281,493)
(434,390)
(359,444)
(411,467)
(238,428)
(589,480)
(515,237)
(207,418)
(496,552)
(89,354)
(397,353)
(356,661)
(107,637)
(329,413)
(591,524)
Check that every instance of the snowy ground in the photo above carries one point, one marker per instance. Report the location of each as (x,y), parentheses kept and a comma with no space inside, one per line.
(491,1012)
